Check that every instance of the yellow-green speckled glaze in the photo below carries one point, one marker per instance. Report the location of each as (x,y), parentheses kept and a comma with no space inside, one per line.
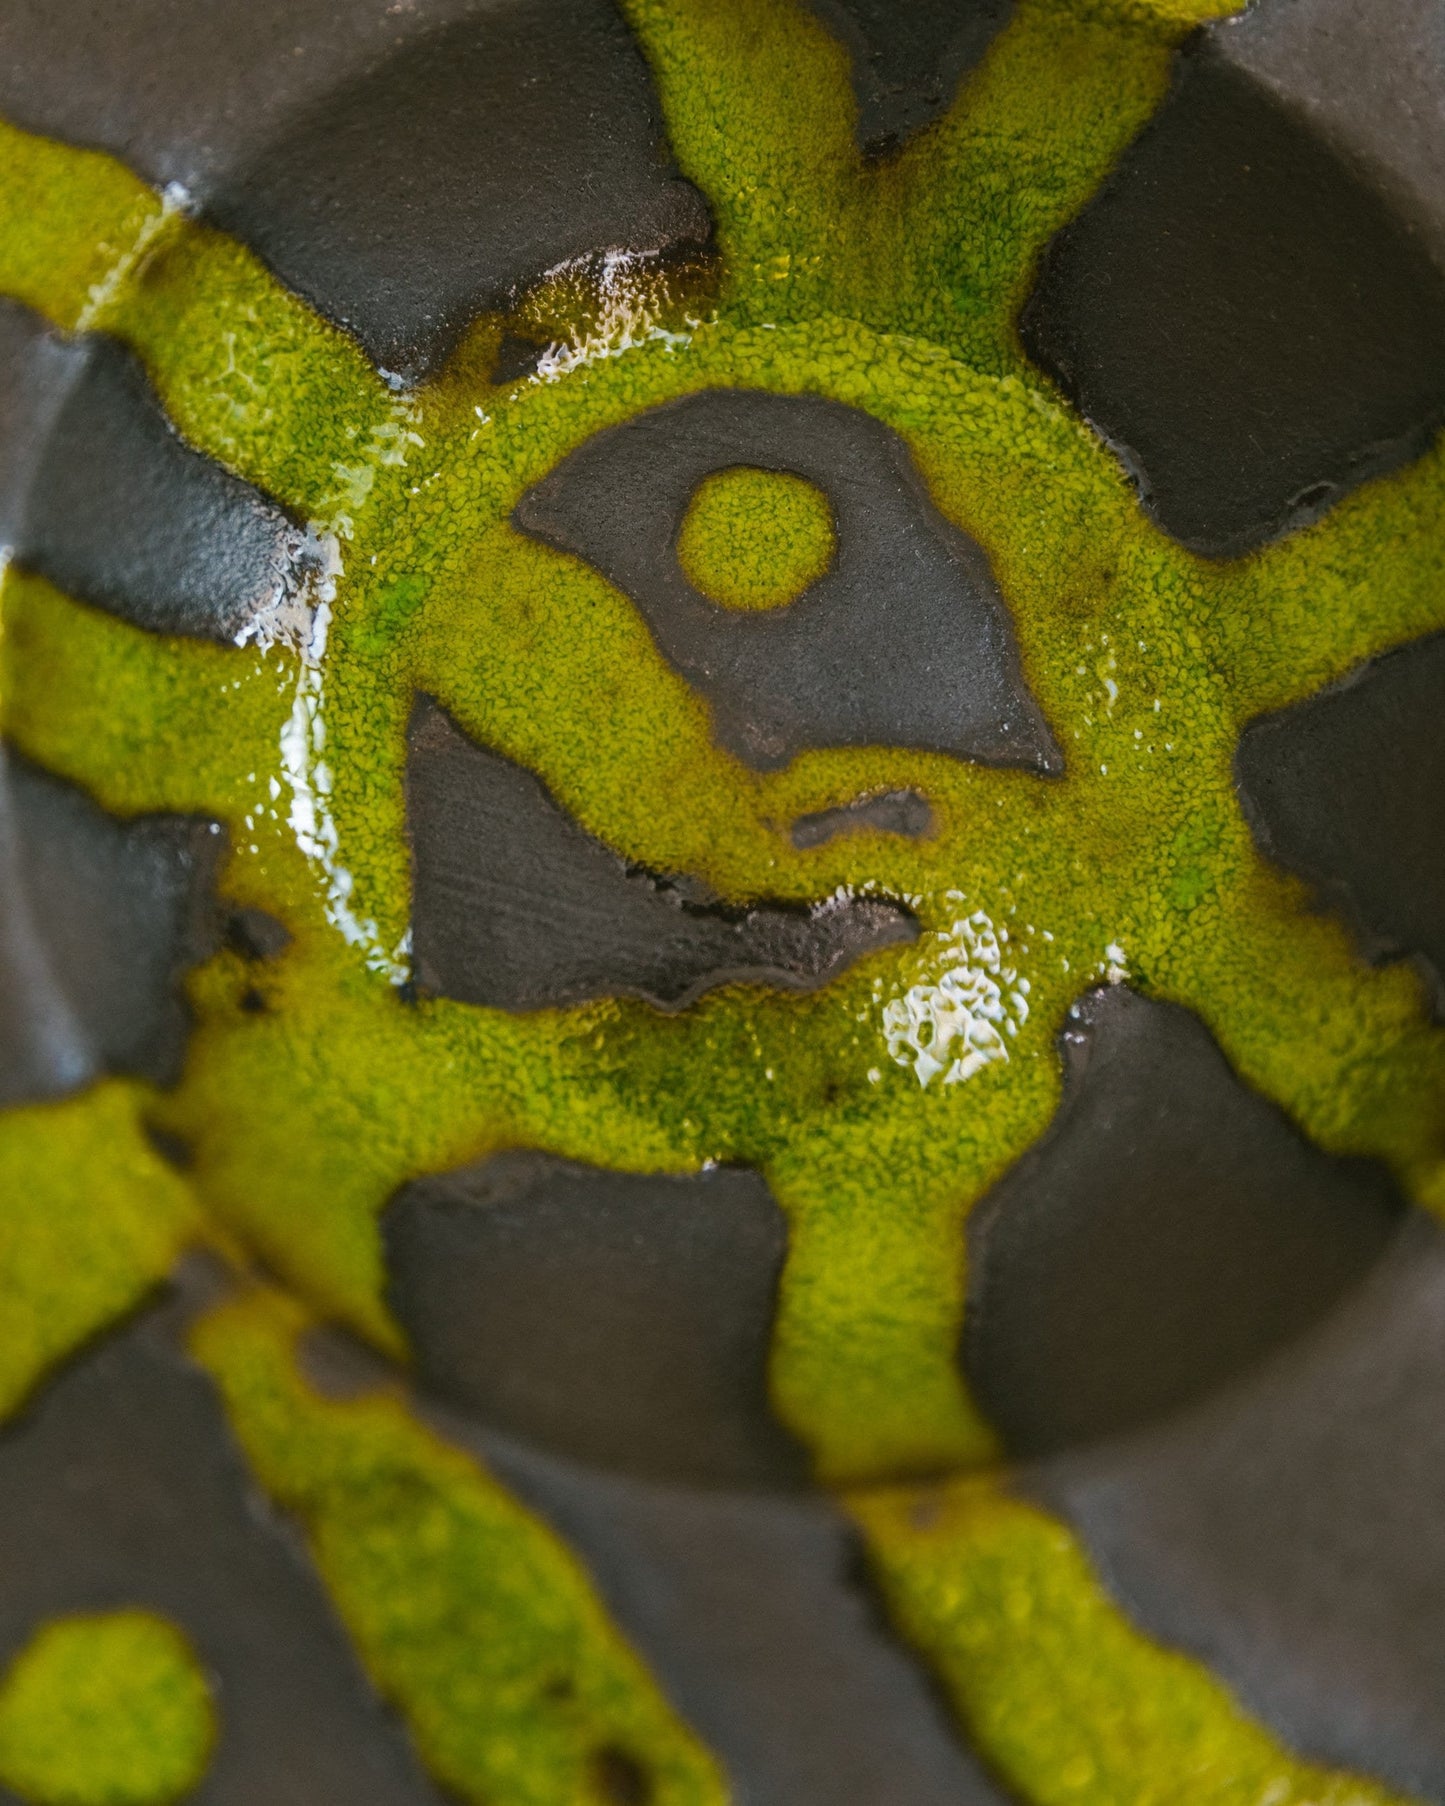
(105,1709)
(892,287)
(755,538)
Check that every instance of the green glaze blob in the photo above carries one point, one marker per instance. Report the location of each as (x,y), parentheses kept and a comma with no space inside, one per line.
(105,1710)
(93,1219)
(1074,1707)
(472,1619)
(888,287)
(755,538)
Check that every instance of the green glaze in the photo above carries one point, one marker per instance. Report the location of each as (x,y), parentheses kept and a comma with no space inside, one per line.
(1001,1598)
(473,1620)
(105,1710)
(755,538)
(93,1219)
(889,287)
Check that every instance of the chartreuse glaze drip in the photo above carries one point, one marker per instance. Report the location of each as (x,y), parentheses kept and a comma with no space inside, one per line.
(1069,1700)
(890,287)
(482,1630)
(92,1219)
